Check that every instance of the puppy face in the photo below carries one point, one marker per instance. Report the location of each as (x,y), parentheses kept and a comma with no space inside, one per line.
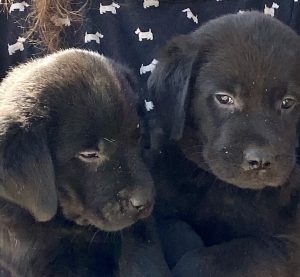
(239,102)
(69,137)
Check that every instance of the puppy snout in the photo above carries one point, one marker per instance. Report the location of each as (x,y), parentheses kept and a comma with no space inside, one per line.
(138,202)
(256,158)
(142,201)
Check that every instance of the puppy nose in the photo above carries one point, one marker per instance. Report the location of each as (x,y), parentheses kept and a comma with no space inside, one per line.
(142,200)
(257,158)
(139,202)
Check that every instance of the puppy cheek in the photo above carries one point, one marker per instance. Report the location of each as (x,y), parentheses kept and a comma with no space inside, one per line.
(114,218)
(214,154)
(71,205)
(222,161)
(286,165)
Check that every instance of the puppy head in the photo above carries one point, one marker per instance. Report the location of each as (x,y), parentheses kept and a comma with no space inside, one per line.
(233,94)
(69,137)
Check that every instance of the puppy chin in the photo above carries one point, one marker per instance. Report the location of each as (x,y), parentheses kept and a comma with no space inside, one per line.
(110,223)
(118,219)
(116,224)
(111,218)
(235,174)
(255,180)
(253,184)
(113,226)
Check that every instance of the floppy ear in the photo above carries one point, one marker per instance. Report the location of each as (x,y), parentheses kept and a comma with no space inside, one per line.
(169,84)
(128,76)
(26,171)
(124,74)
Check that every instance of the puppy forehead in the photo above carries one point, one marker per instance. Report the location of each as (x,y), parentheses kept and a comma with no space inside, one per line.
(251,50)
(251,74)
(96,104)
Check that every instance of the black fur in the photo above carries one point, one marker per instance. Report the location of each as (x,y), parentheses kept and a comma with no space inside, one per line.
(69,159)
(228,169)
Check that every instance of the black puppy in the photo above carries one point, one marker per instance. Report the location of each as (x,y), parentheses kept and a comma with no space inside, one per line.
(68,157)
(227,98)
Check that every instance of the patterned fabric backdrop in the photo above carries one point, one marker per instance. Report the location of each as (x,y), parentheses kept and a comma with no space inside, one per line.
(131,31)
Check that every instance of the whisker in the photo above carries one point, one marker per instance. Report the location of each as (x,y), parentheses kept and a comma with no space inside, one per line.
(110,140)
(93,237)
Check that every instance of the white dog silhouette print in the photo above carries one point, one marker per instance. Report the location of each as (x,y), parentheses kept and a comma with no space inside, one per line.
(271,11)
(144,35)
(18,6)
(109,8)
(18,46)
(148,68)
(93,37)
(150,3)
(149,105)
(59,21)
(190,15)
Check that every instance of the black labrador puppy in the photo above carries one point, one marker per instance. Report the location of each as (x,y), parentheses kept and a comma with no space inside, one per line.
(227,99)
(70,165)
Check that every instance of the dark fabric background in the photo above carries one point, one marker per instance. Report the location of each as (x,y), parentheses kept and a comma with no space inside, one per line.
(120,41)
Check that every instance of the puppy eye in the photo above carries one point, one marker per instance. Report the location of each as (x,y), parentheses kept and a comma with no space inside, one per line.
(224,99)
(287,103)
(89,155)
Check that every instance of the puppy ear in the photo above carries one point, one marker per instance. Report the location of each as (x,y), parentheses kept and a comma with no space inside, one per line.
(26,171)
(169,84)
(124,74)
(129,77)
